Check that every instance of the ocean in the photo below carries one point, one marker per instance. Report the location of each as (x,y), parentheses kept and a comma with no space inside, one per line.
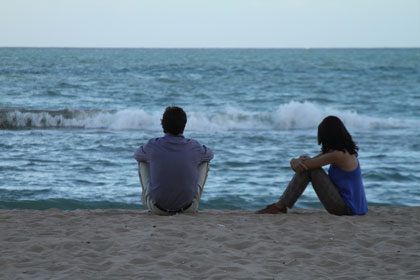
(71,119)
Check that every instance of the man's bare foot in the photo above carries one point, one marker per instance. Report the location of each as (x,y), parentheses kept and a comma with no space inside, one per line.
(272,209)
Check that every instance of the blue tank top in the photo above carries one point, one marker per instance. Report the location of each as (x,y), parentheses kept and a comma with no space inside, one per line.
(350,186)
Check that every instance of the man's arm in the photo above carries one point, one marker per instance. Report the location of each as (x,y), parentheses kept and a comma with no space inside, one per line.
(206,154)
(141,154)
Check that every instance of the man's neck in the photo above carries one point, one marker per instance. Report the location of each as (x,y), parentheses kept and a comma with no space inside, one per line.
(173,135)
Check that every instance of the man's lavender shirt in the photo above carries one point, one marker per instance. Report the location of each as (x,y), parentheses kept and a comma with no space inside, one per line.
(173,164)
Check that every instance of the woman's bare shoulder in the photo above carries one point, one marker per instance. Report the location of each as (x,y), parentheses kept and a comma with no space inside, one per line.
(345,160)
(335,154)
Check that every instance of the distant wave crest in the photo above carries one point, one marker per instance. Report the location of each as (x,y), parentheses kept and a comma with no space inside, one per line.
(290,116)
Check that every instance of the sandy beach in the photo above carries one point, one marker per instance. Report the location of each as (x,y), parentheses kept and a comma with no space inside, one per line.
(213,244)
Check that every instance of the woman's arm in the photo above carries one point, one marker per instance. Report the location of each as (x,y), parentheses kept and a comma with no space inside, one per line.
(305,163)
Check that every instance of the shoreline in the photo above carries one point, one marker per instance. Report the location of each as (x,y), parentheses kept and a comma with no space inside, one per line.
(212,244)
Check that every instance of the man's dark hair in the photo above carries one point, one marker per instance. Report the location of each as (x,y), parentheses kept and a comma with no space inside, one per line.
(333,135)
(174,120)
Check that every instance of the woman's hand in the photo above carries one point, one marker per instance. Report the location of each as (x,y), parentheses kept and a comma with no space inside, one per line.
(298,164)
(306,163)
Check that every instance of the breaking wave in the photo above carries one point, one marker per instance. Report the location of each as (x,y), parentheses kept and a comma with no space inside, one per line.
(290,116)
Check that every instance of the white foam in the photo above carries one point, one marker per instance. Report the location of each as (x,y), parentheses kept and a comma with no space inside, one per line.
(293,115)
(296,115)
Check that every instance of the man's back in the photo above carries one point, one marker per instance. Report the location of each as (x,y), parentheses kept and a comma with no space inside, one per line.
(174,164)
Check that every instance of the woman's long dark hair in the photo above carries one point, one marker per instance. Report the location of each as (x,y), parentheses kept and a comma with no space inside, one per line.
(333,135)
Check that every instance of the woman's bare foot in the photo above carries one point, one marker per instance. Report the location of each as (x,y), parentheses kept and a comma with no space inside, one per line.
(272,209)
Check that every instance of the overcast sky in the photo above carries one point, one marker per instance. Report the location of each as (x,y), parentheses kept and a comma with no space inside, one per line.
(210,23)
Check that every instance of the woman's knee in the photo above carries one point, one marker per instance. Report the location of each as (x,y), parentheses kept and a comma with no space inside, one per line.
(317,173)
(318,170)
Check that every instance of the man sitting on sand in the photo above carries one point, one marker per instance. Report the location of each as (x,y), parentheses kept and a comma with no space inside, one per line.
(173,169)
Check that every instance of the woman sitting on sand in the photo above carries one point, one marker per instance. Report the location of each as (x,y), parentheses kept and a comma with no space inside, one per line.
(341,191)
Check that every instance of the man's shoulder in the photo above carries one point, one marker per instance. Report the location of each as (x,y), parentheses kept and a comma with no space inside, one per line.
(192,142)
(152,142)
(155,140)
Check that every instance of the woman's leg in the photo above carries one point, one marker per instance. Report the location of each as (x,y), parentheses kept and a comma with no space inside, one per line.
(328,193)
(325,189)
(294,189)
